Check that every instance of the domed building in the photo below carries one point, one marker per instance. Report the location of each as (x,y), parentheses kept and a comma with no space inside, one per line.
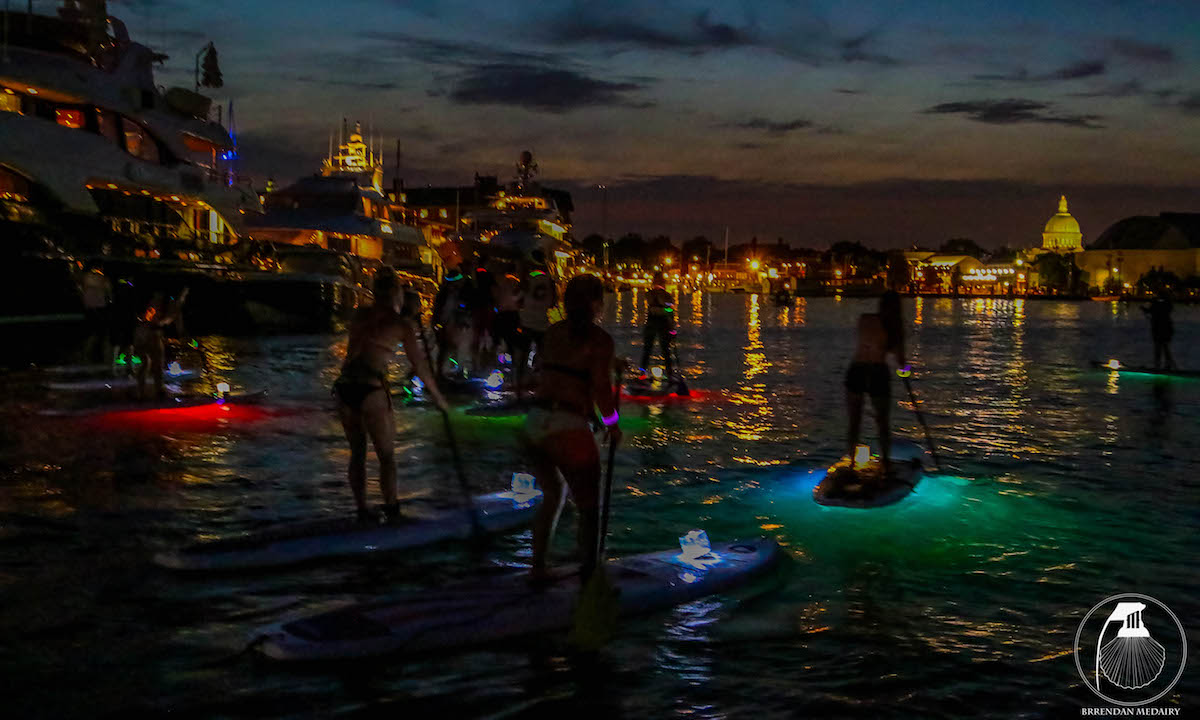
(1062,234)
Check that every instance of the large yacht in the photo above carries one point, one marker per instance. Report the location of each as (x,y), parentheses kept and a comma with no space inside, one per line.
(337,222)
(98,163)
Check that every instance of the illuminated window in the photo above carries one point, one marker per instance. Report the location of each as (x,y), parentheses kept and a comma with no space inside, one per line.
(106,123)
(442,212)
(424,213)
(9,102)
(138,142)
(69,118)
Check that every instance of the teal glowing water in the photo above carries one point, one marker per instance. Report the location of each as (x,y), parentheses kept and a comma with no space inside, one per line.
(1061,484)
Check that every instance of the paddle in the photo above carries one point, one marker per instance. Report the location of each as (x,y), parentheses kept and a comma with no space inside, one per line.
(477,532)
(912,396)
(596,614)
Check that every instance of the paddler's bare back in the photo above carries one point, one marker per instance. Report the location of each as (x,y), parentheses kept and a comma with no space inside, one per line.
(567,365)
(374,339)
(872,340)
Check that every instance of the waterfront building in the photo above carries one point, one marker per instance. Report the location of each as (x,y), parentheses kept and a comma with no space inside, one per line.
(1136,246)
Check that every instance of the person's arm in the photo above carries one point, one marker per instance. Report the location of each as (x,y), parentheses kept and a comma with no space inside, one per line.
(416,357)
(602,387)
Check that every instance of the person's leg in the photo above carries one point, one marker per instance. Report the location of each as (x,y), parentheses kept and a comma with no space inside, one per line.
(647,344)
(380,425)
(357,472)
(158,354)
(580,463)
(1158,352)
(666,339)
(882,404)
(854,408)
(546,520)
(1168,356)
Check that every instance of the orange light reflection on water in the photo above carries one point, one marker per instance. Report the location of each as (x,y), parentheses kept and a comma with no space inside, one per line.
(753,419)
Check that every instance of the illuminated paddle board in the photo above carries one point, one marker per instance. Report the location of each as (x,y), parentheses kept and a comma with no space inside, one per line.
(833,490)
(506,607)
(305,542)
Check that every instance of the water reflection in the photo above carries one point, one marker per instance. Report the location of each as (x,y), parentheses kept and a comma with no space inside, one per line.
(752,421)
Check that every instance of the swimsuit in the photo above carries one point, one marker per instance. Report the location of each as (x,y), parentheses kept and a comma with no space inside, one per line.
(357,382)
(869,378)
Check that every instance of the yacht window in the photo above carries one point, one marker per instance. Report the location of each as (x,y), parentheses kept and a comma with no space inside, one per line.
(138,142)
(68,117)
(9,102)
(367,207)
(106,125)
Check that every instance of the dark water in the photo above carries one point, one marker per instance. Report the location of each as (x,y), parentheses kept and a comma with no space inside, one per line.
(1063,485)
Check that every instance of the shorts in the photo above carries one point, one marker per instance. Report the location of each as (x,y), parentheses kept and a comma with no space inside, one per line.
(872,379)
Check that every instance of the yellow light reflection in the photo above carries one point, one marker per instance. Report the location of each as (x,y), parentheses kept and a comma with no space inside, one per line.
(698,308)
(752,421)
(920,318)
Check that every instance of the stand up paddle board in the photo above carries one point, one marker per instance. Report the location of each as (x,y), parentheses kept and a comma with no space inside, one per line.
(506,607)
(1118,366)
(648,388)
(859,483)
(295,544)
(171,403)
(113,383)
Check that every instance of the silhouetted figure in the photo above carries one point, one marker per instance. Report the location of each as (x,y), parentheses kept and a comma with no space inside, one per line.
(1162,329)
(660,323)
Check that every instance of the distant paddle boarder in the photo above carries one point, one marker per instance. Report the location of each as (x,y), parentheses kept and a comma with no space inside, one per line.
(1162,329)
(576,366)
(660,323)
(364,402)
(879,334)
(148,343)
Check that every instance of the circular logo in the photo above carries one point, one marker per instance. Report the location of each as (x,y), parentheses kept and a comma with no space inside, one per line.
(1130,649)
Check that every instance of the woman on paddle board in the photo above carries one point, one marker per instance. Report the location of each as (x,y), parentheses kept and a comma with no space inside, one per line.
(364,401)
(576,366)
(879,334)
(148,343)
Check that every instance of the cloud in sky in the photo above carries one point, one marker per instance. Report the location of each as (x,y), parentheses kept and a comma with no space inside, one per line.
(1012,111)
(764,91)
(773,127)
(542,89)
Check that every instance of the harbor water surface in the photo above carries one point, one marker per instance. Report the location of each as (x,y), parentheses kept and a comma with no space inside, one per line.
(1062,485)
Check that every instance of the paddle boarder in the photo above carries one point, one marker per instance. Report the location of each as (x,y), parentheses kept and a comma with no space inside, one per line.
(96,293)
(451,317)
(148,344)
(1162,329)
(576,364)
(364,401)
(660,323)
(538,295)
(879,334)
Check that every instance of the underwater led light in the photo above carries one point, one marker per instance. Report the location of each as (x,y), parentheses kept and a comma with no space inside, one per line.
(862,456)
(504,359)
(418,384)
(174,369)
(1113,364)
(494,381)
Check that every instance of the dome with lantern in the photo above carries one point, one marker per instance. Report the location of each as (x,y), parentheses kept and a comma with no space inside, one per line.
(1062,233)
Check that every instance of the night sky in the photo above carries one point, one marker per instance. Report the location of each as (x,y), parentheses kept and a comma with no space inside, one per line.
(891,123)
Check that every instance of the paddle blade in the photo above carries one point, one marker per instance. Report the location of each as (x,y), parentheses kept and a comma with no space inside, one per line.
(596,614)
